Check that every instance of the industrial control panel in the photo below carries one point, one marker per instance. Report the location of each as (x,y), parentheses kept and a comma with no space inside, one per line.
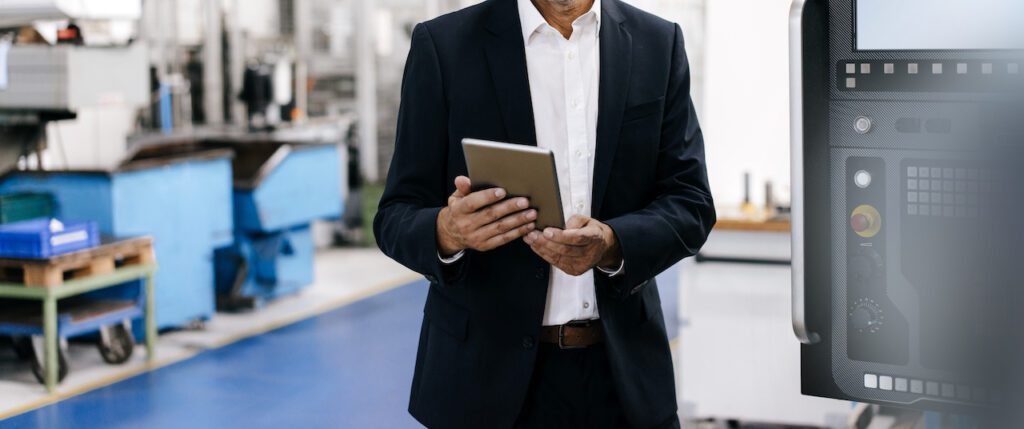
(904,158)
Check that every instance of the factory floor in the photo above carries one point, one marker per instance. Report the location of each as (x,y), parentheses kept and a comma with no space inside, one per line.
(338,355)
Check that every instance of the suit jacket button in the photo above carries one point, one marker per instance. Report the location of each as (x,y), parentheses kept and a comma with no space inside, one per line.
(431,279)
(528,342)
(541,272)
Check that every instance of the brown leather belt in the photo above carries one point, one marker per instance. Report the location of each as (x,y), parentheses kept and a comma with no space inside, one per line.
(573,335)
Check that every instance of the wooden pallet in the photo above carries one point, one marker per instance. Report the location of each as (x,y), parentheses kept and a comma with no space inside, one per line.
(54,271)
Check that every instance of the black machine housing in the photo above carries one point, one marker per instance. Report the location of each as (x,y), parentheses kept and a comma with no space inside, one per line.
(893,184)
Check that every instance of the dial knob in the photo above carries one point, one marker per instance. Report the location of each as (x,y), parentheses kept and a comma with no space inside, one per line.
(866,316)
(864,264)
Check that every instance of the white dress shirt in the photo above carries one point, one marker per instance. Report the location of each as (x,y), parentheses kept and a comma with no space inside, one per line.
(564,77)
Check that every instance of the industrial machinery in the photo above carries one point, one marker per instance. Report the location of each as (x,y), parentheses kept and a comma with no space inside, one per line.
(901,127)
(46,80)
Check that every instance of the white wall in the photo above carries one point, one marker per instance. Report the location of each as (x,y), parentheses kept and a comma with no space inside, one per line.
(746,96)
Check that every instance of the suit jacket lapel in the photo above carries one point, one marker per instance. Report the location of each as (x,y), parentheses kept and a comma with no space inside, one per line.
(506,56)
(616,66)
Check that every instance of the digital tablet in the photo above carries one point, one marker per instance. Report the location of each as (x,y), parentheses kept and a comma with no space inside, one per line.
(522,171)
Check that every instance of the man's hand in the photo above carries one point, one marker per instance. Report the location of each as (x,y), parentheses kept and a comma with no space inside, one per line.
(584,244)
(482,220)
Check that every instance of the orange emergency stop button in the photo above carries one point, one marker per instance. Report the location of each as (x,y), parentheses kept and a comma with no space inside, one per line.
(866,221)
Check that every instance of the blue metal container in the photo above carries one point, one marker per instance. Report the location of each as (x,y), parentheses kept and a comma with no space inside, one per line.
(183,202)
(284,185)
(279,189)
(44,238)
(261,267)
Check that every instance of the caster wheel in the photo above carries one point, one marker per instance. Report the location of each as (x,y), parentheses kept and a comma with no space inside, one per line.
(116,343)
(36,344)
(23,348)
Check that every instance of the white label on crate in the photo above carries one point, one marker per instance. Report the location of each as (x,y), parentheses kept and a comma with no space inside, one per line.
(71,237)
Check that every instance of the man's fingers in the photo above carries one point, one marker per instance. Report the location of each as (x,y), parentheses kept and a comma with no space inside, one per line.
(509,236)
(511,222)
(534,240)
(576,222)
(499,210)
(463,186)
(572,265)
(480,199)
(575,237)
(540,241)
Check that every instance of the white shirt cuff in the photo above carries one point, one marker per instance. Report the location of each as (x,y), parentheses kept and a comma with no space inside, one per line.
(617,272)
(453,259)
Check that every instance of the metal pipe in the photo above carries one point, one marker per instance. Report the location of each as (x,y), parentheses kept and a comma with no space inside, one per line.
(213,63)
(366,87)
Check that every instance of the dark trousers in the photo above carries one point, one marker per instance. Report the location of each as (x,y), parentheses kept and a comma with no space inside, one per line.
(573,389)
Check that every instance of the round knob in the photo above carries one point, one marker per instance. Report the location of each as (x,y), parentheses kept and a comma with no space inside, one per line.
(865,264)
(866,316)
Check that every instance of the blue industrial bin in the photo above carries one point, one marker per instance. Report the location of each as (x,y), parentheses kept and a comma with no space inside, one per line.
(283,185)
(280,188)
(261,267)
(182,200)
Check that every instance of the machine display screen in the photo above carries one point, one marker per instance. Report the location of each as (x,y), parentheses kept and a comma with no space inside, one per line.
(884,25)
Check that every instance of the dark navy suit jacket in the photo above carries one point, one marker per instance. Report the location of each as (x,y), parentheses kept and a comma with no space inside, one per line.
(466,76)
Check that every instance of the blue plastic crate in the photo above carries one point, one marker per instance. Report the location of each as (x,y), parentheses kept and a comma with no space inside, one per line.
(45,238)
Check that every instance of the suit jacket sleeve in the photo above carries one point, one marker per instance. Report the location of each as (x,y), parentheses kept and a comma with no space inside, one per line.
(406,223)
(676,224)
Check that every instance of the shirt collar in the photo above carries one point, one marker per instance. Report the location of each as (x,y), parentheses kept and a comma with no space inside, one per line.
(532,20)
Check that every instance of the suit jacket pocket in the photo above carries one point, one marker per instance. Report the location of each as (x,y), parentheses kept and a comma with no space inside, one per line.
(446,315)
(643,110)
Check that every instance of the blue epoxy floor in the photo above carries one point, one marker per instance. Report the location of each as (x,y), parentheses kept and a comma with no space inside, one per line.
(349,368)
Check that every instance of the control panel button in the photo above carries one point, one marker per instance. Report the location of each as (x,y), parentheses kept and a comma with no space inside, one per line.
(862,179)
(862,125)
(870,381)
(885,382)
(901,385)
(866,221)
(916,386)
(908,125)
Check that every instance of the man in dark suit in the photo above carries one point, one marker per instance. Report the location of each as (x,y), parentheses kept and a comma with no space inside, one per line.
(527,328)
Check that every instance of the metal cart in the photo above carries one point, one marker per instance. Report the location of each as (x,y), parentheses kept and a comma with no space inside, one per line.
(79,315)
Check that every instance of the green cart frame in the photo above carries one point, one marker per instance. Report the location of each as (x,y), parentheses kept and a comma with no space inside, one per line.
(49,296)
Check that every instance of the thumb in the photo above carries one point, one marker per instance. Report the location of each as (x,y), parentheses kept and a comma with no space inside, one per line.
(577,222)
(463,186)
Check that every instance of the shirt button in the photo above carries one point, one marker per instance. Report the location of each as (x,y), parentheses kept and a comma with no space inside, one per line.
(586,305)
(528,342)
(579,153)
(572,55)
(579,206)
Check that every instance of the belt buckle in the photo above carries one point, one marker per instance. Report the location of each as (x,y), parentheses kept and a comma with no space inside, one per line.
(561,334)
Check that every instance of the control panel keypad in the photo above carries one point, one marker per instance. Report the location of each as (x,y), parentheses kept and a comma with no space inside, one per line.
(946,191)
